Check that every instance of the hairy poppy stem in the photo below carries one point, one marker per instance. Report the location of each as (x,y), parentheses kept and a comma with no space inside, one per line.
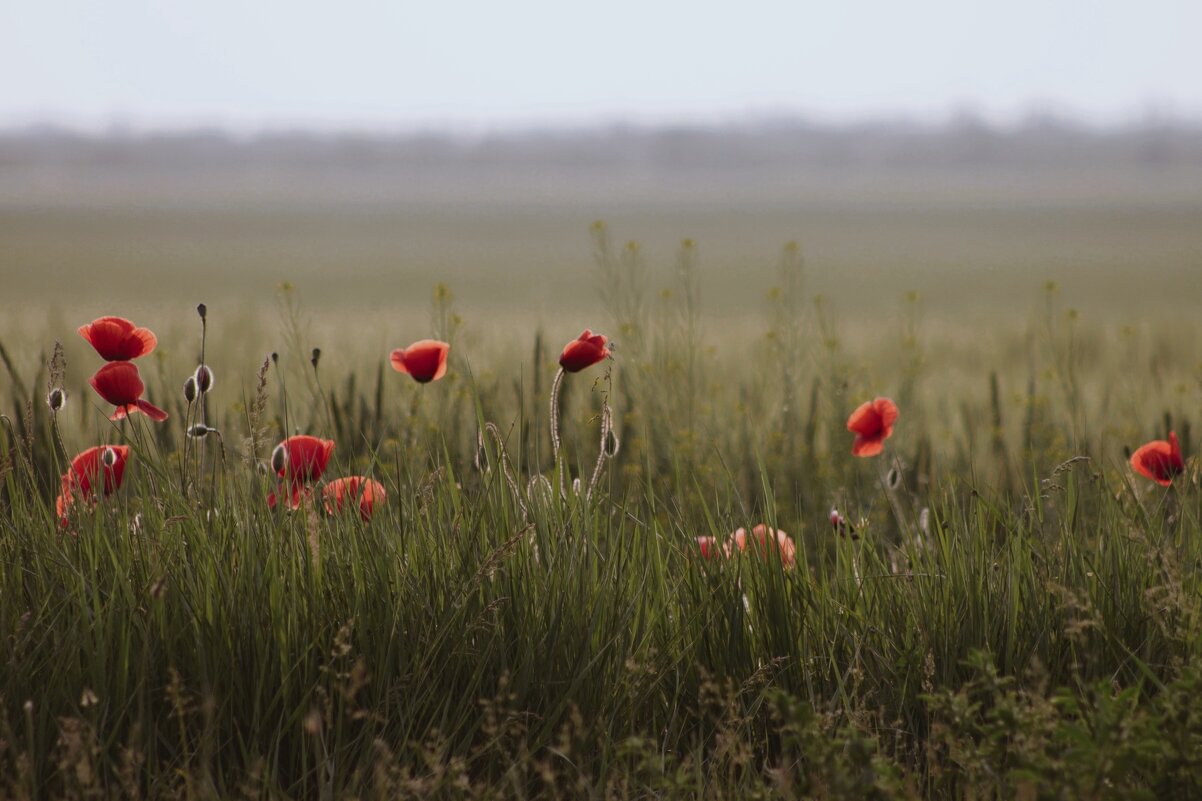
(555,388)
(503,458)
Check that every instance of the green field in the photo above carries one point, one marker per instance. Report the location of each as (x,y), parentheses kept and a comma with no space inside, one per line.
(1019,614)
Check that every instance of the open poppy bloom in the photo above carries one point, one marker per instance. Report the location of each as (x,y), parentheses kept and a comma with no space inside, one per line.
(872,423)
(1159,460)
(343,492)
(425,360)
(117,339)
(760,542)
(584,351)
(300,461)
(119,384)
(93,474)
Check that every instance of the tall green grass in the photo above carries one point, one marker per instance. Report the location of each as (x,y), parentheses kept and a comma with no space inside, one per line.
(1017,614)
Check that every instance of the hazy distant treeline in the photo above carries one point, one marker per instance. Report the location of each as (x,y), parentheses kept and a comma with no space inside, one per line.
(763,146)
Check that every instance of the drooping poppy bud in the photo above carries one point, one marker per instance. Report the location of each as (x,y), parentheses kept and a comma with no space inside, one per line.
(279,459)
(204,378)
(190,390)
(425,360)
(57,399)
(583,352)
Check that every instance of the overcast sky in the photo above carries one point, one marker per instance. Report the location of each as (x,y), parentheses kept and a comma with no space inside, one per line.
(249,64)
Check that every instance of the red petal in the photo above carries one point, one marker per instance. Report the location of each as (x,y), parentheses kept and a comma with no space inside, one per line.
(867,446)
(118,383)
(150,410)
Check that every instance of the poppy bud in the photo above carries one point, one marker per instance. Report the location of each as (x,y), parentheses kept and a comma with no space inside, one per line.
(109,457)
(279,458)
(275,358)
(315,358)
(202,310)
(190,389)
(57,399)
(199,430)
(204,379)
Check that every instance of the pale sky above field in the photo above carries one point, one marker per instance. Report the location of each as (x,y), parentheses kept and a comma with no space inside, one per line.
(359,63)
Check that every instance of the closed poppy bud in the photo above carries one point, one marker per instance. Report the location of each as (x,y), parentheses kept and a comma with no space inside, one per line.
(202,310)
(190,389)
(584,351)
(315,358)
(204,379)
(279,459)
(57,399)
(199,430)
(109,457)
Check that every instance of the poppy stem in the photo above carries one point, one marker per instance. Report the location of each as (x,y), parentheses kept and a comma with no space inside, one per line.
(555,443)
(503,458)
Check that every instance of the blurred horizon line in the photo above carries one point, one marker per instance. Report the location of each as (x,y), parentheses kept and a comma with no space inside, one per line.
(1152,117)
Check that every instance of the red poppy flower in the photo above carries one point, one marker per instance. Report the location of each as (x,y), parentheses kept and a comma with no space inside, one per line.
(368,492)
(1159,460)
(872,424)
(119,384)
(762,541)
(117,339)
(100,468)
(300,461)
(709,548)
(425,360)
(584,351)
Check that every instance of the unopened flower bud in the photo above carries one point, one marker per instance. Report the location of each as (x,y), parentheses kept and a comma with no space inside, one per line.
(57,399)
(204,378)
(109,457)
(202,310)
(190,389)
(199,430)
(279,458)
(315,358)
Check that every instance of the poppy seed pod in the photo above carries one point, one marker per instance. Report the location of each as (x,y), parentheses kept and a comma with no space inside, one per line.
(190,389)
(204,379)
(57,399)
(279,458)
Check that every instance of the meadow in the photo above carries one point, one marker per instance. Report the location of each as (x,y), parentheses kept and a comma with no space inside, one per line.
(1001,608)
